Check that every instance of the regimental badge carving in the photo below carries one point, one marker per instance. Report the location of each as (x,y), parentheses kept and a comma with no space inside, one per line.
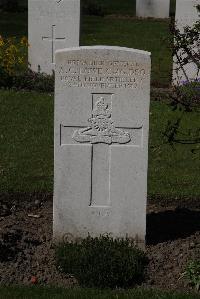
(101,129)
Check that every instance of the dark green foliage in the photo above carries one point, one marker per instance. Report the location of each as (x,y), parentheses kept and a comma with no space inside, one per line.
(103,262)
(92,7)
(6,81)
(185,46)
(34,81)
(10,5)
(14,5)
(28,81)
(192,273)
(189,93)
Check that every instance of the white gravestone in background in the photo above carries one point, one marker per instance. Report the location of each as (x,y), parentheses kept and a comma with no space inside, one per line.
(53,24)
(102,99)
(152,8)
(186,15)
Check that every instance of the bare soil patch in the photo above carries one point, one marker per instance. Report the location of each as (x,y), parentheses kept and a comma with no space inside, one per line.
(26,248)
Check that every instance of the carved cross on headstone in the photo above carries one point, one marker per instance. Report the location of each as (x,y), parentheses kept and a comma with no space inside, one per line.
(101,135)
(53,40)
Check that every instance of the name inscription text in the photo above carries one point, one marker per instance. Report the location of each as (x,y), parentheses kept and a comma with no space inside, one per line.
(101,74)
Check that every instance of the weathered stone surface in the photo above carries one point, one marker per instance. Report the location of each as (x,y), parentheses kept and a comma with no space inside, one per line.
(101,142)
(153,8)
(53,24)
(186,15)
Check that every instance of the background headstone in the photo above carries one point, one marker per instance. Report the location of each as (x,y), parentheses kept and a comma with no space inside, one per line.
(186,15)
(101,142)
(153,8)
(53,24)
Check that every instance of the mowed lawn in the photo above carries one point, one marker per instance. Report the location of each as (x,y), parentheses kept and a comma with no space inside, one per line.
(148,34)
(26,148)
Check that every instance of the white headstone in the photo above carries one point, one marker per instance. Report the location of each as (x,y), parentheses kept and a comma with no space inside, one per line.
(102,99)
(53,24)
(152,8)
(186,15)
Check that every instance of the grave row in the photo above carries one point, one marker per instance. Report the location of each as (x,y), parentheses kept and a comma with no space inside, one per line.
(102,97)
(55,24)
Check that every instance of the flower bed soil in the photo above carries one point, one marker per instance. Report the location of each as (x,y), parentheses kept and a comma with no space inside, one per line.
(27,251)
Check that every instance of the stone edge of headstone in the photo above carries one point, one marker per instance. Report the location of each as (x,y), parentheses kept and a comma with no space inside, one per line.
(116,48)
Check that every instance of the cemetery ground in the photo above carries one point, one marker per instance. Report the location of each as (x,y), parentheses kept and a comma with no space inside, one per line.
(173,227)
(26,149)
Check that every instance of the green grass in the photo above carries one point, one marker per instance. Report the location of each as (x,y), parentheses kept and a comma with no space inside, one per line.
(14,24)
(26,148)
(172,171)
(78,293)
(26,145)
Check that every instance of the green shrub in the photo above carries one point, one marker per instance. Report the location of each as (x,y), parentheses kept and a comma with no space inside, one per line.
(192,273)
(189,92)
(28,80)
(14,72)
(34,81)
(102,262)
(13,56)
(13,59)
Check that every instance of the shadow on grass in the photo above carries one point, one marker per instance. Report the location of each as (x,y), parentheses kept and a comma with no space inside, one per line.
(171,225)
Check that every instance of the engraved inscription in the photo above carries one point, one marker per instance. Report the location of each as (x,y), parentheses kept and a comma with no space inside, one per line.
(101,129)
(101,74)
(100,212)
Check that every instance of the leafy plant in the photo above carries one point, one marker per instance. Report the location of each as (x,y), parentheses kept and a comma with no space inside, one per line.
(102,262)
(13,56)
(185,46)
(192,273)
(30,80)
(10,5)
(14,72)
